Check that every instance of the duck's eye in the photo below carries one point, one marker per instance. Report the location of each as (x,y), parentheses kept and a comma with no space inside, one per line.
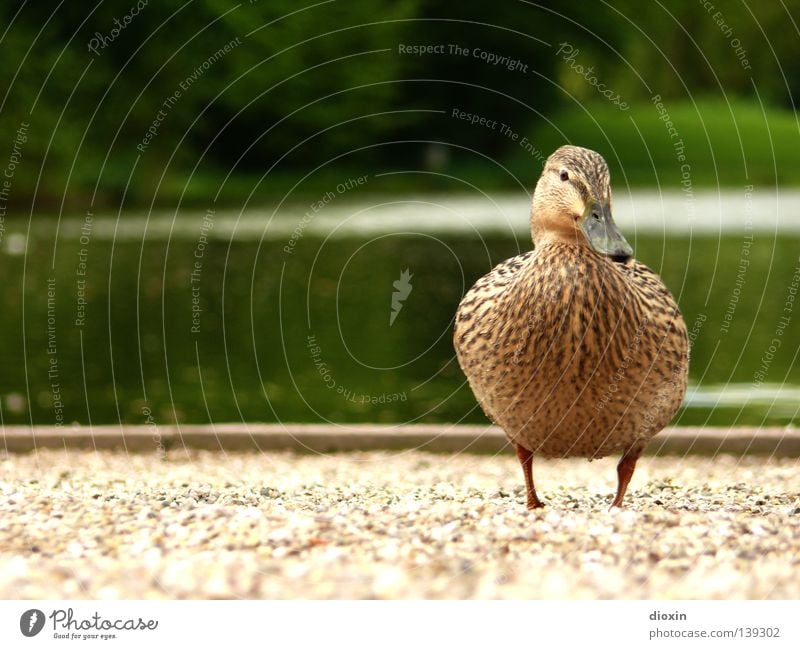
(563,174)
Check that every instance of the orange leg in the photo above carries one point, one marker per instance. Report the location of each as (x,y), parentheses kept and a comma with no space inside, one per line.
(526,460)
(624,474)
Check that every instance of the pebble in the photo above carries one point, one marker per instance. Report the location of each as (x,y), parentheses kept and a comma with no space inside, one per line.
(381,525)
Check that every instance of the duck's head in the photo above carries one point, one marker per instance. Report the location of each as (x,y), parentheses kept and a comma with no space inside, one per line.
(572,202)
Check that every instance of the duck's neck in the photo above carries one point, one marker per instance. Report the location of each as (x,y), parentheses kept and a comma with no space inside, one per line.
(571,244)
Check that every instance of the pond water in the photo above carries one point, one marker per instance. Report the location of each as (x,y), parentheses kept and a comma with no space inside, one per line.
(228,317)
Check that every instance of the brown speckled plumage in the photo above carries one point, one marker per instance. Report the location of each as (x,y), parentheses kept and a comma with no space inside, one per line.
(571,352)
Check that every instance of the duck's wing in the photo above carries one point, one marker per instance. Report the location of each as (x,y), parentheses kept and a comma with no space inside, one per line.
(483,295)
(655,298)
(665,321)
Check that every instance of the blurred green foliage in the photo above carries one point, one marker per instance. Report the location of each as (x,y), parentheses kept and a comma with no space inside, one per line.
(305,89)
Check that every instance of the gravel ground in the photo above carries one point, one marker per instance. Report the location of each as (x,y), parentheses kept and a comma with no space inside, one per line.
(205,525)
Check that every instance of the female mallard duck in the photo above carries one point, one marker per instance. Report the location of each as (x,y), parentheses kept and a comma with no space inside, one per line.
(574,348)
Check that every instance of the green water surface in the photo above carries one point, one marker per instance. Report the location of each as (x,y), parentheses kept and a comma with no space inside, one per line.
(103,331)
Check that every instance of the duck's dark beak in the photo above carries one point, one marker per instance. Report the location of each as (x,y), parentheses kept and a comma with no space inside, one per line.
(603,234)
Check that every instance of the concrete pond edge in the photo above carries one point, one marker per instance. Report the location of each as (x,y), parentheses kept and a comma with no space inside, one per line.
(335,438)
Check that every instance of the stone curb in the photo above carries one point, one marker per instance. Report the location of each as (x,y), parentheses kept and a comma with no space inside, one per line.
(324,438)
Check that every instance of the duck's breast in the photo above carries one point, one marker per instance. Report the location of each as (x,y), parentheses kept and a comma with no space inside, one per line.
(573,354)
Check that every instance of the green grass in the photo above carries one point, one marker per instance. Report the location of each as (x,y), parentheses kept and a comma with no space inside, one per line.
(729,145)
(724,145)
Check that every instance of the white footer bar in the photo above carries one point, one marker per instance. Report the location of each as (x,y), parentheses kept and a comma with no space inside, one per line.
(399,624)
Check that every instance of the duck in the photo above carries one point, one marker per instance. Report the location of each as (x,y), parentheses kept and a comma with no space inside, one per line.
(574,348)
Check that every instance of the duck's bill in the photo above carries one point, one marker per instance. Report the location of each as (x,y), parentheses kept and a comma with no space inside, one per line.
(603,234)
